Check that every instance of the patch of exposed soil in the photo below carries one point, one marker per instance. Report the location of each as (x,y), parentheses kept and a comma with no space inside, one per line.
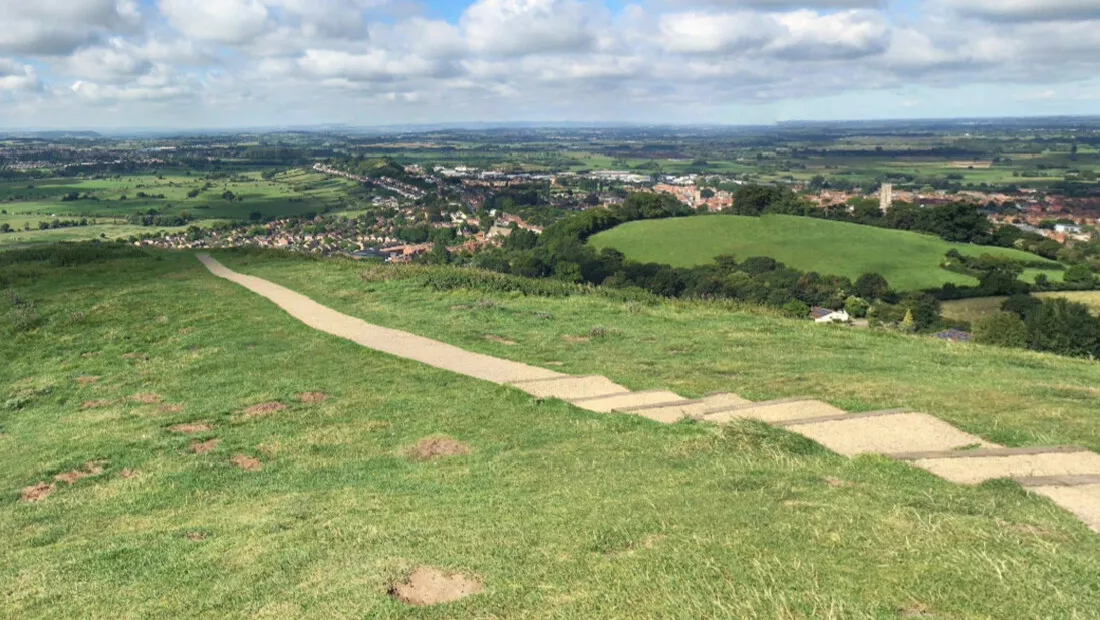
(37,492)
(432,447)
(95,404)
(246,463)
(202,447)
(145,399)
(263,409)
(195,536)
(499,340)
(128,473)
(576,339)
(86,381)
(191,428)
(91,354)
(431,586)
(176,408)
(915,611)
(312,397)
(91,468)
(135,356)
(161,319)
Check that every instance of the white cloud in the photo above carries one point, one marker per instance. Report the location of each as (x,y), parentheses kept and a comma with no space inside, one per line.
(220,21)
(520,27)
(1027,10)
(57,27)
(15,77)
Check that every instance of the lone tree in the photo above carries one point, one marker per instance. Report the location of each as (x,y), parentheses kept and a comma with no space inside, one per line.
(872,286)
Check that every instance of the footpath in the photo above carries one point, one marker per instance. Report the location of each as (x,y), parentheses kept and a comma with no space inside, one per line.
(1068,475)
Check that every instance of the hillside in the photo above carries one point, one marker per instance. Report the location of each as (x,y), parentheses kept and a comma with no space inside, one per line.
(315,506)
(908,260)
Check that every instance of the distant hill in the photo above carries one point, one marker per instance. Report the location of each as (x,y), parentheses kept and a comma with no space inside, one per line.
(910,261)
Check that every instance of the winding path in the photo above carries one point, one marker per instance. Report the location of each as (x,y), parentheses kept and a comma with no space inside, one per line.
(1068,475)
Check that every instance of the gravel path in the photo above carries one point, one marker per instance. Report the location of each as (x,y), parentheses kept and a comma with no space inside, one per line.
(896,433)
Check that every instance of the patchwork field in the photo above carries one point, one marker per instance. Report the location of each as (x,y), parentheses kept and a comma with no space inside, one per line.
(908,260)
(110,200)
(198,467)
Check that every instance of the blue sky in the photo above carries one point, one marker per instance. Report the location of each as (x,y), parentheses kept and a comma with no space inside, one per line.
(226,63)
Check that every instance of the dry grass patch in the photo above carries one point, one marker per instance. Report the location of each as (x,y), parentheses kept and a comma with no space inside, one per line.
(91,468)
(203,447)
(431,586)
(247,463)
(500,340)
(135,356)
(433,447)
(311,398)
(191,428)
(576,339)
(175,408)
(95,404)
(195,536)
(86,381)
(145,399)
(128,473)
(36,493)
(262,409)
(91,354)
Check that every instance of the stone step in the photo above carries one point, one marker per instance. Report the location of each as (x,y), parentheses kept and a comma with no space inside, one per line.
(886,433)
(570,388)
(1083,501)
(774,411)
(626,400)
(674,411)
(1058,481)
(976,466)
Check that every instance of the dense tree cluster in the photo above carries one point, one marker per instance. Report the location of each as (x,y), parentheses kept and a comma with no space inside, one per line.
(1056,325)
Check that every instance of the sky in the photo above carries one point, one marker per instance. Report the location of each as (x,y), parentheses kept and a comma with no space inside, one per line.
(116,64)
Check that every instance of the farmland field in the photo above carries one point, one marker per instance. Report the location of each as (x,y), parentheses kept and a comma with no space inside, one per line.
(974,309)
(315,509)
(908,260)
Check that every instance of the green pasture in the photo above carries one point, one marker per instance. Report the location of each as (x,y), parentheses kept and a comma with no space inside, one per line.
(908,260)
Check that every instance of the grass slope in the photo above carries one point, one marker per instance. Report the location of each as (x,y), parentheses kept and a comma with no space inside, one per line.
(561,513)
(908,260)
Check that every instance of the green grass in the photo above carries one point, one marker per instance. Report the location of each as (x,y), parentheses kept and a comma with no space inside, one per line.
(562,513)
(909,261)
(974,309)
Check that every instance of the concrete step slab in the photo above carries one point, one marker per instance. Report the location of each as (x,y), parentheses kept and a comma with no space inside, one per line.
(674,411)
(1003,463)
(1058,481)
(774,411)
(571,388)
(1081,500)
(628,400)
(885,434)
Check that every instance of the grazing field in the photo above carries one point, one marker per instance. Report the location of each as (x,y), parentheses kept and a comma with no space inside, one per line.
(974,309)
(186,462)
(908,260)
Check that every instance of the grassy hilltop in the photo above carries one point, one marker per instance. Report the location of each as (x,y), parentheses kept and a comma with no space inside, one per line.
(559,512)
(909,260)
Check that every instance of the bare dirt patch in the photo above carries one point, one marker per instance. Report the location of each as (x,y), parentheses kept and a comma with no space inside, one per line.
(247,463)
(91,468)
(135,356)
(86,381)
(37,492)
(145,399)
(128,473)
(311,398)
(576,339)
(915,611)
(262,409)
(431,586)
(500,340)
(433,447)
(195,536)
(95,404)
(191,428)
(176,408)
(202,447)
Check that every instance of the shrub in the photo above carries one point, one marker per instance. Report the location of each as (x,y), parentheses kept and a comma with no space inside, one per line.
(1003,329)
